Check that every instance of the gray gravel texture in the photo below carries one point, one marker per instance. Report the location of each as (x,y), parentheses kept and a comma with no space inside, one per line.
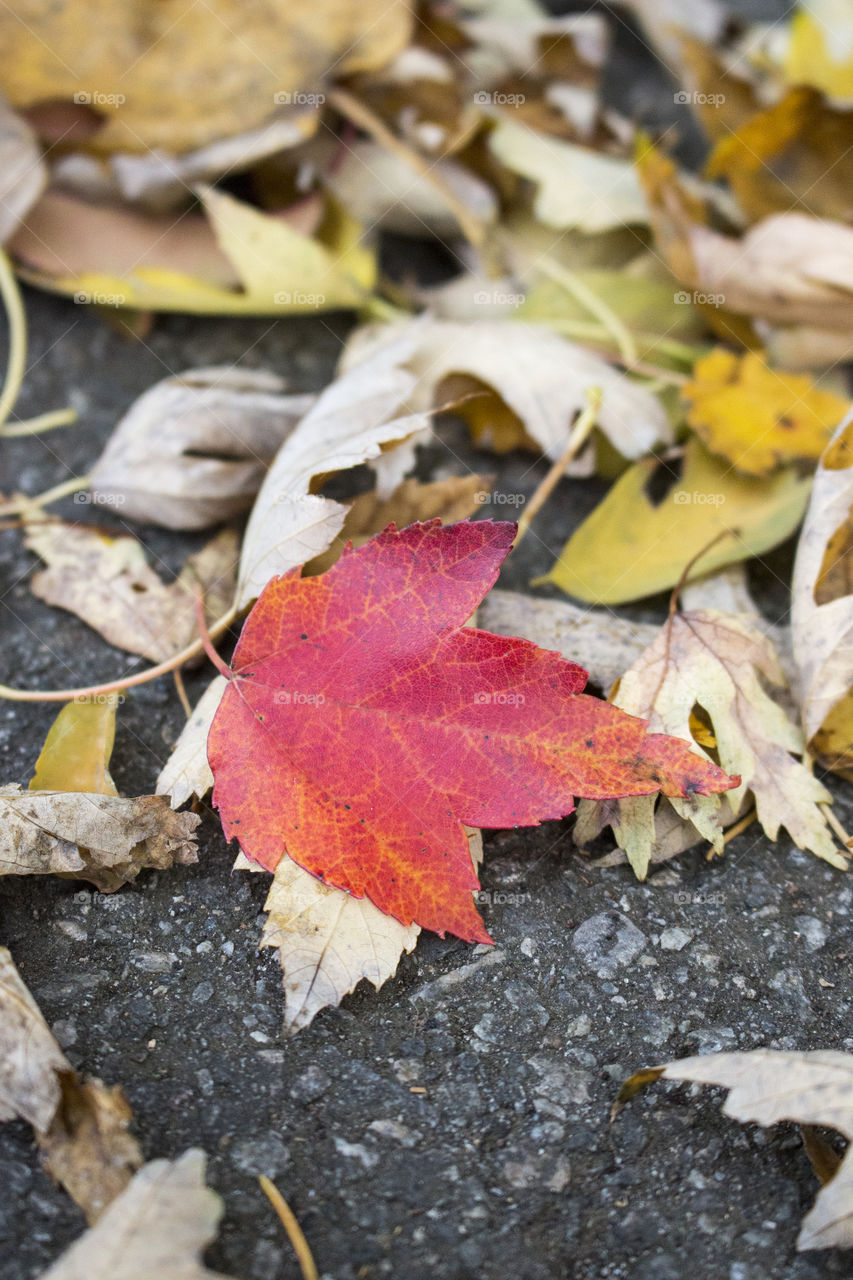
(503,1163)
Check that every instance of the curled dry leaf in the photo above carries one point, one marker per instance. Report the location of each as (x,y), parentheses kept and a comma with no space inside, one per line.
(193,449)
(105,839)
(127,59)
(328,940)
(637,540)
(822,607)
(756,417)
(536,383)
(711,664)
(767,1086)
(156,1229)
(187,773)
(81,1125)
(110,585)
(22,171)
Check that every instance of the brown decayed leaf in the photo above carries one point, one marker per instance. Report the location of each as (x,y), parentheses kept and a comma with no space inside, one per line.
(156,1229)
(193,449)
(813,1088)
(30,1059)
(110,585)
(105,839)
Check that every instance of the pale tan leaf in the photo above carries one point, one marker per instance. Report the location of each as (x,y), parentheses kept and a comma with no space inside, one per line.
(105,839)
(22,171)
(186,773)
(193,450)
(110,585)
(767,1086)
(156,1229)
(30,1059)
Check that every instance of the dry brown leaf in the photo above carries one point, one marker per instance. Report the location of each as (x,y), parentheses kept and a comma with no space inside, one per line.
(193,449)
(105,839)
(156,1229)
(234,57)
(822,607)
(715,664)
(767,1086)
(454,498)
(110,585)
(81,1125)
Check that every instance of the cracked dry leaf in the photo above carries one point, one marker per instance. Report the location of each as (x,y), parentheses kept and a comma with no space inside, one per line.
(454,498)
(105,839)
(328,940)
(110,585)
(536,383)
(822,607)
(767,1086)
(637,542)
(756,417)
(80,1125)
(156,1229)
(193,450)
(716,662)
(234,56)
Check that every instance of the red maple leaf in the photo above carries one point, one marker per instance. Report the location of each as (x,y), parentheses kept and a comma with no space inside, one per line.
(364,723)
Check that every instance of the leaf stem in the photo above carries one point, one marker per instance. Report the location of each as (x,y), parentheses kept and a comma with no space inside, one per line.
(44,422)
(287,1218)
(129,682)
(16,363)
(577,439)
(685,572)
(221,667)
(17,505)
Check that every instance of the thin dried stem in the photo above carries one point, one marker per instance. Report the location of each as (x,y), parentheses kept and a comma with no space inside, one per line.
(44,422)
(287,1218)
(577,439)
(17,361)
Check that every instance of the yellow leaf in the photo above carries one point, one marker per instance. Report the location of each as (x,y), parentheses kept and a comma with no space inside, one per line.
(631,547)
(756,417)
(820,49)
(76,752)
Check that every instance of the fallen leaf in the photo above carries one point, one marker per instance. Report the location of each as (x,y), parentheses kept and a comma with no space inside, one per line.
(630,546)
(233,58)
(437,731)
(76,752)
(758,418)
(717,664)
(328,940)
(535,395)
(820,48)
(80,1125)
(449,500)
(22,171)
(105,839)
(108,583)
(822,607)
(353,417)
(157,1229)
(193,449)
(187,773)
(30,1059)
(604,644)
(767,1086)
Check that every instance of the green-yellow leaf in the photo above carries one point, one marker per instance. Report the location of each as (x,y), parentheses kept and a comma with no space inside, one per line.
(76,752)
(630,547)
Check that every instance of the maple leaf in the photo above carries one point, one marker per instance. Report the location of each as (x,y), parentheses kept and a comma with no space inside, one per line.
(363,724)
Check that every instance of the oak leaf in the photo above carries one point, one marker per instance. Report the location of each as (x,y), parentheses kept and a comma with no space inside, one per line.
(363,724)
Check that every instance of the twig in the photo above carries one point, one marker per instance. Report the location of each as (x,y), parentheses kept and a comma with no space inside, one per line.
(44,422)
(16,363)
(16,505)
(577,439)
(181,690)
(359,114)
(287,1218)
(738,827)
